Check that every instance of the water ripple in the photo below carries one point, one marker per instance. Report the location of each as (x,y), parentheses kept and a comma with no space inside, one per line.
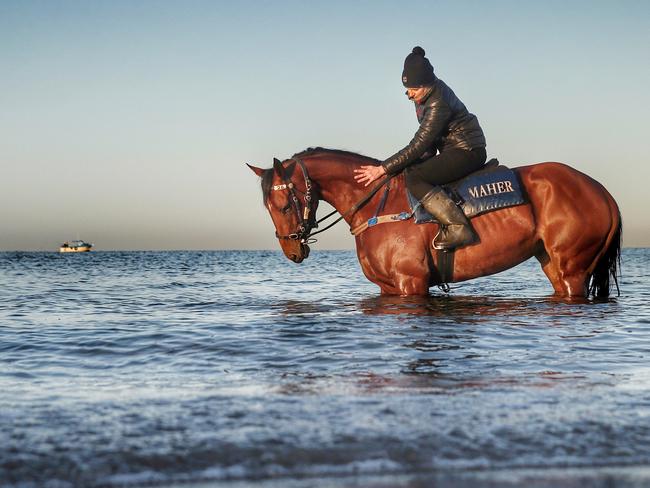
(122,368)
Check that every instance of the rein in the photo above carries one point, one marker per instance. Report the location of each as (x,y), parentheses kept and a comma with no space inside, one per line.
(307,218)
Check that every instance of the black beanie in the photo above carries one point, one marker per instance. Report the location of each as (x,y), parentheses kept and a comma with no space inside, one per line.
(417,69)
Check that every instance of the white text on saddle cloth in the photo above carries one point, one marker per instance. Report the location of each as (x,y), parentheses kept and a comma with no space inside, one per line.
(487,189)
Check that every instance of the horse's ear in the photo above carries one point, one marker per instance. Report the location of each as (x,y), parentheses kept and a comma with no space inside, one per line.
(256,170)
(277,166)
(288,171)
(285,173)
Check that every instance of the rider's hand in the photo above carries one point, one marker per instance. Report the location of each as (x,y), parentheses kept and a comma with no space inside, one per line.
(367,174)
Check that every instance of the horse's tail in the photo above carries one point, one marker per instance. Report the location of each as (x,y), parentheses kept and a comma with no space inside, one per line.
(608,266)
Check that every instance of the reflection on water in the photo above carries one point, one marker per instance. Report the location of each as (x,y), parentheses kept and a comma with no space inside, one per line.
(467,305)
(122,369)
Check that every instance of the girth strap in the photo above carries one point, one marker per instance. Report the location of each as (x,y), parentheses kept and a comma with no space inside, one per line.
(445,268)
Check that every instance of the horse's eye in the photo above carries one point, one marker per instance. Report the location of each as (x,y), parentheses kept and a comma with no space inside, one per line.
(286,208)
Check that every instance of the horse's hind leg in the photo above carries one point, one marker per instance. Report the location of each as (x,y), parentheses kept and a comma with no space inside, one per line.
(569,254)
(566,281)
(574,222)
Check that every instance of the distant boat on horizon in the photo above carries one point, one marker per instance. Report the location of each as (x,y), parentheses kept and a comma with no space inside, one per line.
(75,246)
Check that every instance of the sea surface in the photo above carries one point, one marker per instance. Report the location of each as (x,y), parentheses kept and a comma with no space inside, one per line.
(243,369)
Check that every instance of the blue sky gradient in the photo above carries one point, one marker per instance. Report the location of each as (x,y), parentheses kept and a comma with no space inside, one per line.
(128,123)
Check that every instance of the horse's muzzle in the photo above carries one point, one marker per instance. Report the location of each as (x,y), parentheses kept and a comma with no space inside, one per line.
(301,256)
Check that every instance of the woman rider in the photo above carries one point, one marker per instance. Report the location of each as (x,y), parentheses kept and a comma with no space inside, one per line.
(445,126)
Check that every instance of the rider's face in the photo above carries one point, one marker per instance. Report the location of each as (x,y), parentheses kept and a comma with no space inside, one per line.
(417,94)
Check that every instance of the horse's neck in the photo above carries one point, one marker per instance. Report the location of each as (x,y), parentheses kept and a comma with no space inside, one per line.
(335,179)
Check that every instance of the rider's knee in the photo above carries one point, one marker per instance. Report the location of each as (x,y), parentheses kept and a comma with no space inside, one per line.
(412,179)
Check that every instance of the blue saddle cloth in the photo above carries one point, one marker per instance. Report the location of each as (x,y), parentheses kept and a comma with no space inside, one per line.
(488,189)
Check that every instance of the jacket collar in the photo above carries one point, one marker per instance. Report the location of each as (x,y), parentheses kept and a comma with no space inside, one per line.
(434,88)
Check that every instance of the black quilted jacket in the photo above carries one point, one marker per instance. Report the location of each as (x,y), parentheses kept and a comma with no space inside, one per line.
(444,123)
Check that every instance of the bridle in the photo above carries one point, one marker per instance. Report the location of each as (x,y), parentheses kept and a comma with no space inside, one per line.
(307,218)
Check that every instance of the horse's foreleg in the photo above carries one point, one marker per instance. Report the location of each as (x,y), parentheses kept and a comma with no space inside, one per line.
(404,285)
(411,285)
(399,263)
(411,273)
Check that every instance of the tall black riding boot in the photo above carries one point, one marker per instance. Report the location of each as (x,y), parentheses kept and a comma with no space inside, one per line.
(455,230)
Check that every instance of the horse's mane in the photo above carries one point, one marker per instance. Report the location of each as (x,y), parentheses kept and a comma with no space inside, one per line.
(267,176)
(316,151)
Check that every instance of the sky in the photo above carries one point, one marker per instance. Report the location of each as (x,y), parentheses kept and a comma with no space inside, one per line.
(128,124)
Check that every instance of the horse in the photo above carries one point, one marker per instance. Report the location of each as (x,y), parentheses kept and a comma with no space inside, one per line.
(571,224)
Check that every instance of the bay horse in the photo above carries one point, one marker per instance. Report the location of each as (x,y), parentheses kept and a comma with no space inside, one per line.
(572,225)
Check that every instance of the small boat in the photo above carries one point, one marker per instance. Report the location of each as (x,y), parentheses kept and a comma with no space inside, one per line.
(75,246)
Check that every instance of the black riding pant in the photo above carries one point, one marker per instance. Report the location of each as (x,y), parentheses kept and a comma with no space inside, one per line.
(450,165)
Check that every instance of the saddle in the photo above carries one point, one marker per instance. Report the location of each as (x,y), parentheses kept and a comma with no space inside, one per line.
(491,188)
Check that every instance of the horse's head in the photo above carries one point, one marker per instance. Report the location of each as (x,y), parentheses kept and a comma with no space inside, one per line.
(291,200)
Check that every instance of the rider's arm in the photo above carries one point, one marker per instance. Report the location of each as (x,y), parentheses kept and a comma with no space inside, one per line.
(433,124)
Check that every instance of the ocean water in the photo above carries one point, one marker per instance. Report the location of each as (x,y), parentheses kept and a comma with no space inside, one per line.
(243,369)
